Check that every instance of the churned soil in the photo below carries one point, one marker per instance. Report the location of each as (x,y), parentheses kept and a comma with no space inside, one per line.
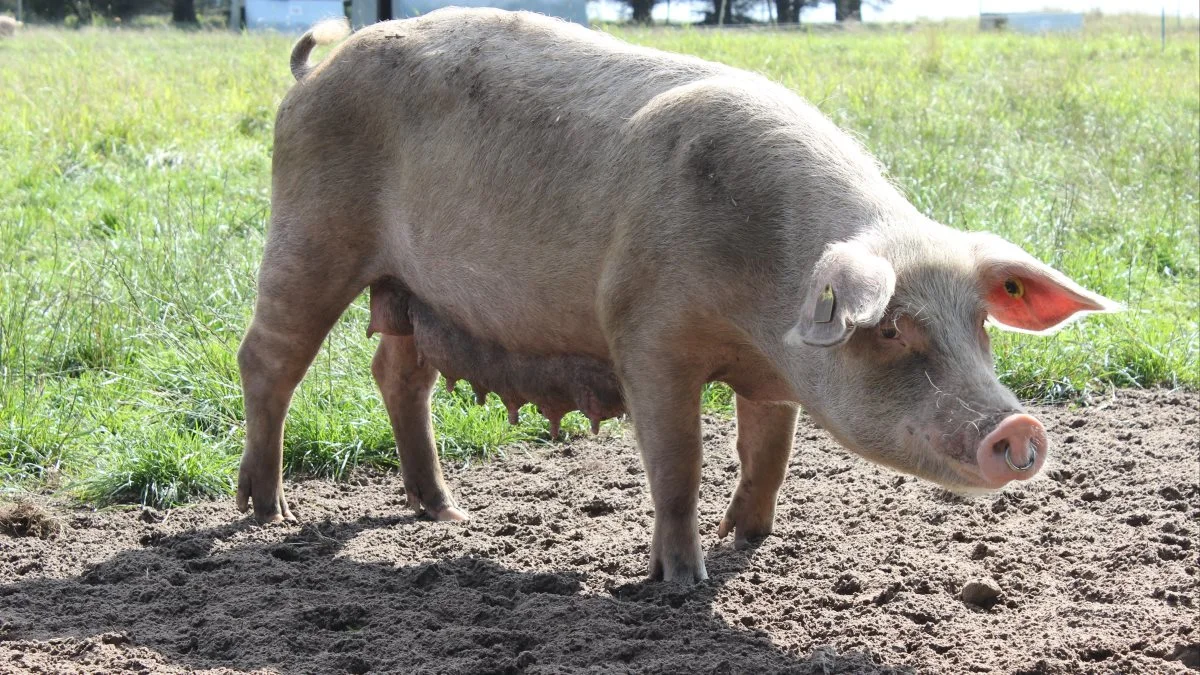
(1091,568)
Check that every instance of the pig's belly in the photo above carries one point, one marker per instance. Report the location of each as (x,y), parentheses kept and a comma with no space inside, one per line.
(517,344)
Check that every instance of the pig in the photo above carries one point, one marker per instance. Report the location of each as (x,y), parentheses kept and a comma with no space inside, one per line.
(9,26)
(562,218)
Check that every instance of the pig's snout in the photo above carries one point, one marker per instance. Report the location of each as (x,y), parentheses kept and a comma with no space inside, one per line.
(1015,450)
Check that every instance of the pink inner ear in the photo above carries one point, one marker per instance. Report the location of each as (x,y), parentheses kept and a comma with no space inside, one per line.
(1043,305)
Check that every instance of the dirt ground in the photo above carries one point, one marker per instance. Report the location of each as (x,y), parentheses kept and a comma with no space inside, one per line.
(1095,565)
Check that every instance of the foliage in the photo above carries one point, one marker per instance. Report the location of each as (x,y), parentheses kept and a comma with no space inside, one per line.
(81,13)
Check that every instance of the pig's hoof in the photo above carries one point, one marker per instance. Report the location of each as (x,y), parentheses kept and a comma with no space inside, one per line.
(273,511)
(743,537)
(444,511)
(684,576)
(678,569)
(451,514)
(270,506)
(748,525)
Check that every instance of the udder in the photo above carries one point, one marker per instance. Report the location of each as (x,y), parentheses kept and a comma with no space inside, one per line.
(555,383)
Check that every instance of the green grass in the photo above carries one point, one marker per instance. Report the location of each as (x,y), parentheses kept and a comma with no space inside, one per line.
(134,198)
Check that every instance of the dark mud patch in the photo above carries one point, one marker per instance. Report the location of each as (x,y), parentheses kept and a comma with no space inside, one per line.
(27,519)
(1092,568)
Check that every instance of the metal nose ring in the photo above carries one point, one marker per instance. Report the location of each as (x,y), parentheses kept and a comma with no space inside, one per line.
(1028,465)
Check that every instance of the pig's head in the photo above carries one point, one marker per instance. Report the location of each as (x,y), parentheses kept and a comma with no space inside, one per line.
(897,364)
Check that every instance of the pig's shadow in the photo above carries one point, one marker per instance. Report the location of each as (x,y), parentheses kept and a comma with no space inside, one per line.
(299,606)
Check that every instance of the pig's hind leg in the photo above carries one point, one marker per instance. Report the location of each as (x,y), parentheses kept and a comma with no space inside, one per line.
(406,383)
(301,294)
(764,444)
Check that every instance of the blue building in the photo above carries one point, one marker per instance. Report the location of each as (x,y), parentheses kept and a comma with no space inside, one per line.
(288,16)
(1032,22)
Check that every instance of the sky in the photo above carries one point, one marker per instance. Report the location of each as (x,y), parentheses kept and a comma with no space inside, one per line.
(911,10)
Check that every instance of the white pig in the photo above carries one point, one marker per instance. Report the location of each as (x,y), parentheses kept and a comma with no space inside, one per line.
(565,219)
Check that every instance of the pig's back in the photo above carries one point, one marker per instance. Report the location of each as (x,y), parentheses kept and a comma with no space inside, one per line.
(491,144)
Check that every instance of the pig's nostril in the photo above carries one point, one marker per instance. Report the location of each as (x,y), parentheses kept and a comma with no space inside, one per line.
(1014,450)
(1007,448)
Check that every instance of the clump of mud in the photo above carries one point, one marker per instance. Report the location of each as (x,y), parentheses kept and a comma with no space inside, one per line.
(26,519)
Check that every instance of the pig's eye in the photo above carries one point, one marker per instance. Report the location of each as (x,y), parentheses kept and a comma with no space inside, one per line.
(889,331)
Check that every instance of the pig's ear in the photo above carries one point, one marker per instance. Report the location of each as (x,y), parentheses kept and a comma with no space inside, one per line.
(850,286)
(1025,295)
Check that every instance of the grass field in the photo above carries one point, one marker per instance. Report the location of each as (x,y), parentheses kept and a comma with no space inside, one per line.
(134,195)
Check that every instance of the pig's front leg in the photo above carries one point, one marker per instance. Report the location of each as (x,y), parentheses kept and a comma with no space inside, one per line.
(764,443)
(665,406)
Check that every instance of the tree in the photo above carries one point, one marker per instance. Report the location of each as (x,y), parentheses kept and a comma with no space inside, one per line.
(788,11)
(641,9)
(848,9)
(184,12)
(736,11)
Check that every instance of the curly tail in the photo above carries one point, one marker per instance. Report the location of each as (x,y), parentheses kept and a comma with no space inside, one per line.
(325,32)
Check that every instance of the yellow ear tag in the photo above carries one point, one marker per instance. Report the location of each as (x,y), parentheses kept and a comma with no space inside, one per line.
(824,310)
(1014,287)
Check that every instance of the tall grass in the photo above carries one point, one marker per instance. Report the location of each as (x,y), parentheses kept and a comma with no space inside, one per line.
(134,198)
